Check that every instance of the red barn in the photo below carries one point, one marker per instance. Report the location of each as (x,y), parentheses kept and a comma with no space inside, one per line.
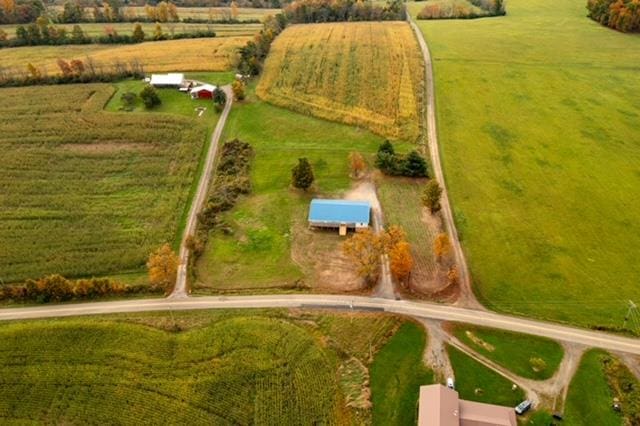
(202,92)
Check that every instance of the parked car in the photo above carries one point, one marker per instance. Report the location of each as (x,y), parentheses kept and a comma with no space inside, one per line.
(523,407)
(450,383)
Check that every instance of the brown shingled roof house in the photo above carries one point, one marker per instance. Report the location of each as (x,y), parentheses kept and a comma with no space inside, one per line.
(440,406)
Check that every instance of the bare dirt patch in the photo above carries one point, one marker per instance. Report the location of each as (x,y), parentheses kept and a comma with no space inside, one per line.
(105,148)
(319,253)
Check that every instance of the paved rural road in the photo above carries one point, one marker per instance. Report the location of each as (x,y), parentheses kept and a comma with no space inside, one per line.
(467,297)
(180,289)
(356,303)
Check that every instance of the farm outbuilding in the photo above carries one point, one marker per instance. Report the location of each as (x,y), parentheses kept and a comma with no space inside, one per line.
(167,80)
(204,91)
(341,214)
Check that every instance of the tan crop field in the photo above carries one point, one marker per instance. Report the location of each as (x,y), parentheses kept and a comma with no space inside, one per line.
(87,192)
(366,74)
(198,54)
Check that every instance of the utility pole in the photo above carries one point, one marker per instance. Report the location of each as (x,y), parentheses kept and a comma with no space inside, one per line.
(633,317)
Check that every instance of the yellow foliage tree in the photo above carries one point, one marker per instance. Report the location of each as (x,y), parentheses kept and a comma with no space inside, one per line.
(401,261)
(234,10)
(163,268)
(357,164)
(395,234)
(364,250)
(441,246)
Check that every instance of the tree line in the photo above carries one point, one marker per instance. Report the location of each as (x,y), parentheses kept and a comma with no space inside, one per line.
(457,10)
(621,15)
(42,33)
(74,71)
(56,288)
(76,11)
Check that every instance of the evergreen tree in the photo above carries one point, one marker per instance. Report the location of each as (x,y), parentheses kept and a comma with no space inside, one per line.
(302,174)
(414,165)
(138,34)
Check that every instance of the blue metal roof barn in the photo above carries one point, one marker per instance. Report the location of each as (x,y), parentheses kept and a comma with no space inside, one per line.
(340,213)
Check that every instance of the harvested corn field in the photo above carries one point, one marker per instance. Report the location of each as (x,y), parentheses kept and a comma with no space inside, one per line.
(366,73)
(198,54)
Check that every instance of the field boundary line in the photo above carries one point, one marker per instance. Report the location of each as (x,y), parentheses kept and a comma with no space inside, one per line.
(180,288)
(466,298)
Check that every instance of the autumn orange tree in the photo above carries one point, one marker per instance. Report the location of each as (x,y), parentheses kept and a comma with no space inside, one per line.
(163,268)
(441,246)
(365,249)
(401,261)
(357,164)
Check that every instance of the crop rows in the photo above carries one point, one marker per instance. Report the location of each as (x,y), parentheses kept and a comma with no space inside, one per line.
(241,370)
(85,192)
(366,74)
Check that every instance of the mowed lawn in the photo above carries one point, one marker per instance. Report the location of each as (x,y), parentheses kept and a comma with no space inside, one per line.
(367,74)
(538,117)
(224,367)
(258,252)
(85,192)
(198,54)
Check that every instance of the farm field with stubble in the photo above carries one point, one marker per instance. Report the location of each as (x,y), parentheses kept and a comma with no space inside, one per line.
(538,119)
(86,192)
(223,367)
(366,74)
(198,54)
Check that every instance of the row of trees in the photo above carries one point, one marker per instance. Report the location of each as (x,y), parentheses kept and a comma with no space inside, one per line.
(309,11)
(162,266)
(366,249)
(56,288)
(43,33)
(459,10)
(75,71)
(621,15)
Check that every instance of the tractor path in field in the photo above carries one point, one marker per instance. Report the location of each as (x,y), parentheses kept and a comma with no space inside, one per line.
(466,297)
(180,289)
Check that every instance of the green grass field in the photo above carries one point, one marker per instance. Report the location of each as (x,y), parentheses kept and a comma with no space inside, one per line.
(589,399)
(258,252)
(396,376)
(541,148)
(224,367)
(86,192)
(475,382)
(512,350)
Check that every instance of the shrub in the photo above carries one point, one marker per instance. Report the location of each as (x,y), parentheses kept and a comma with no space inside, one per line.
(390,163)
(431,196)
(232,180)
(128,100)
(238,90)
(150,97)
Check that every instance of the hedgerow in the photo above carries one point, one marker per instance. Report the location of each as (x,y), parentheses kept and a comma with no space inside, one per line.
(56,288)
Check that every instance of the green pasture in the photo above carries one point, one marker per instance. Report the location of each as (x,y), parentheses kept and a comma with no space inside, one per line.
(397,373)
(589,399)
(475,382)
(538,117)
(223,367)
(257,253)
(512,350)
